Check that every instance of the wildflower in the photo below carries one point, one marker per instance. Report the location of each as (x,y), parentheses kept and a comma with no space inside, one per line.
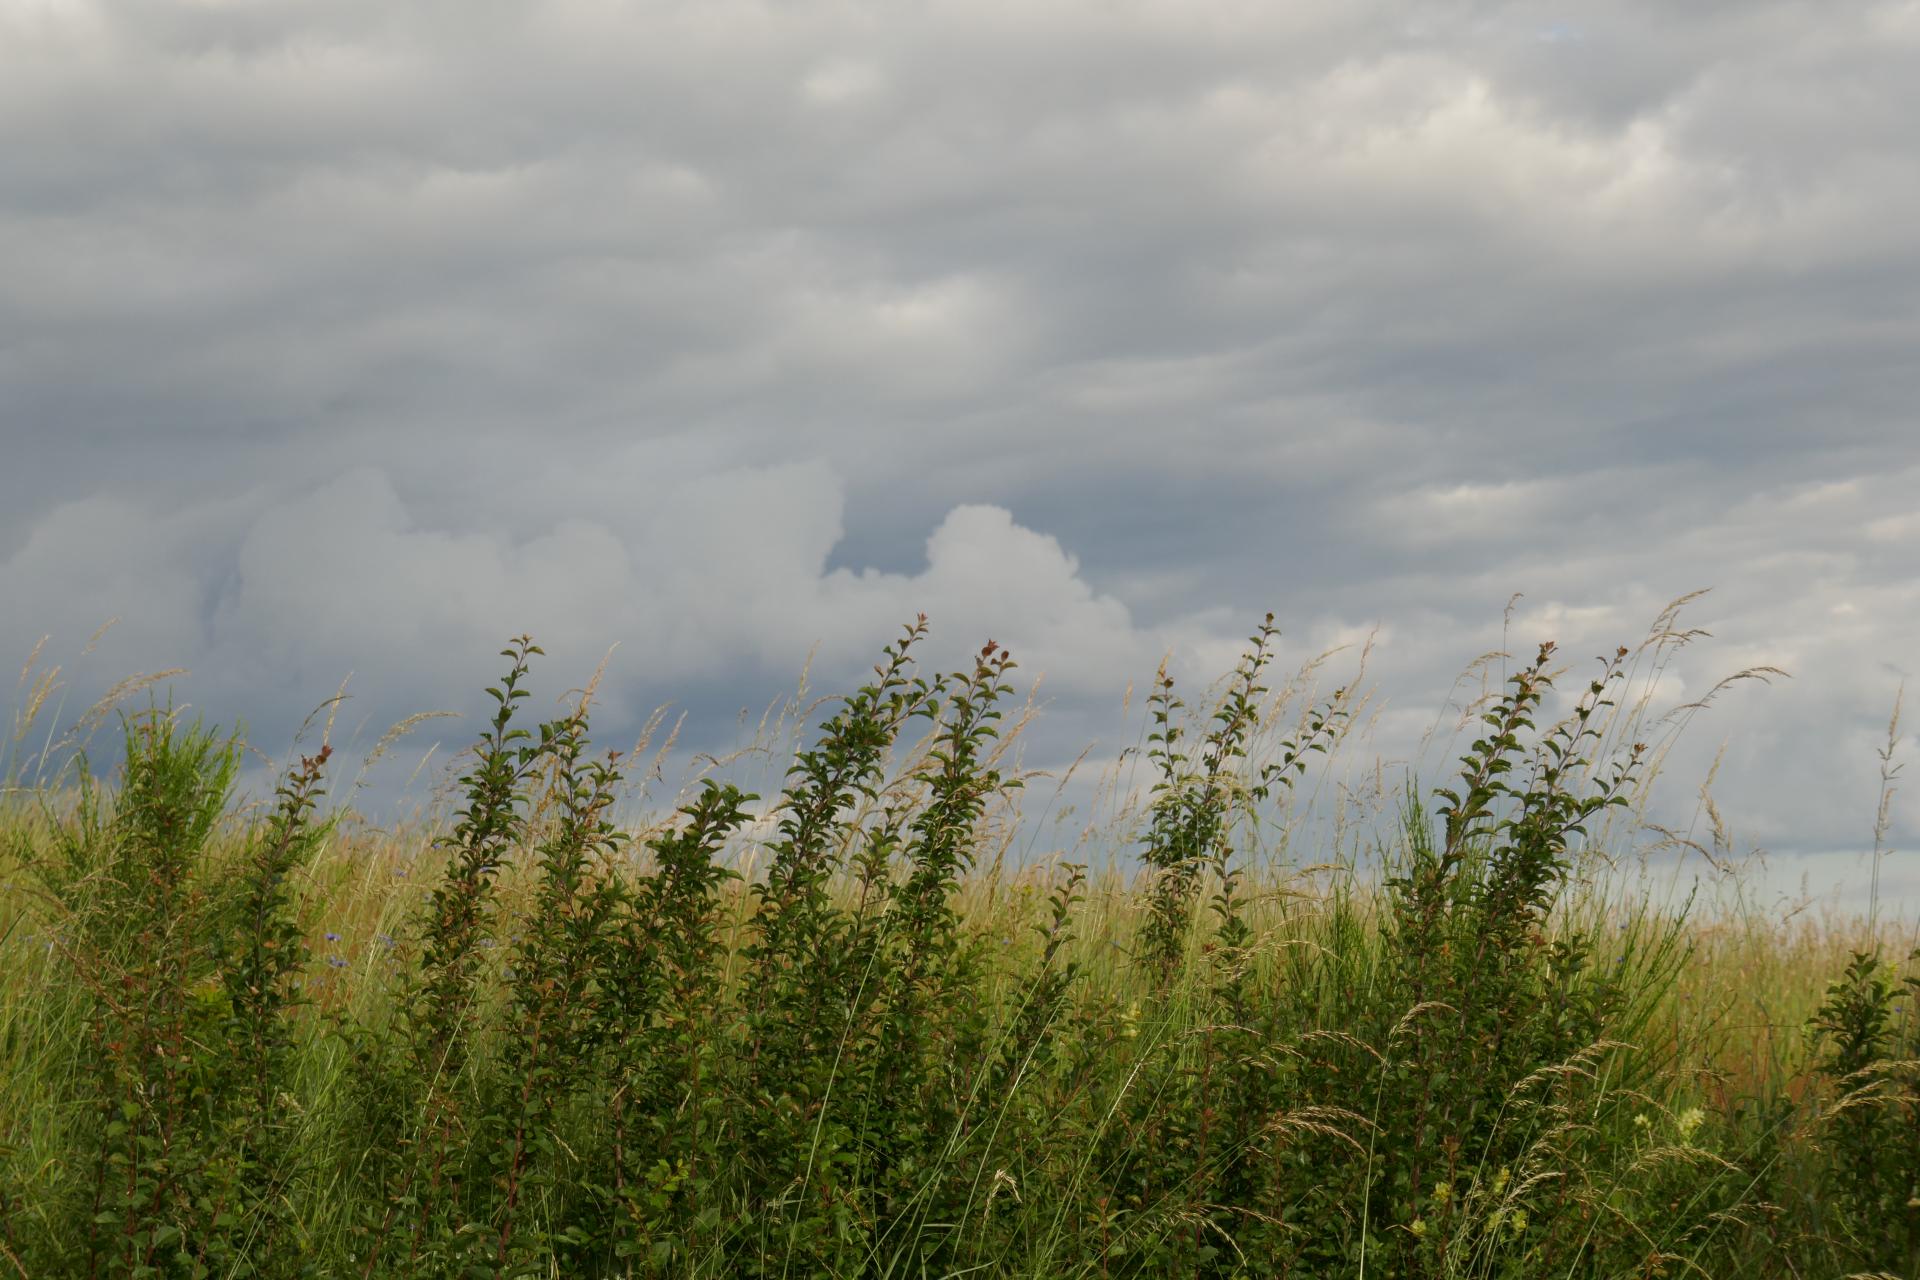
(1418,1228)
(336,962)
(1517,1221)
(1689,1121)
(1500,1179)
(333,937)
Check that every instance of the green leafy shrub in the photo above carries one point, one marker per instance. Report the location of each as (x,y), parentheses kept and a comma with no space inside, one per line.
(575,1049)
(1868,1043)
(177,974)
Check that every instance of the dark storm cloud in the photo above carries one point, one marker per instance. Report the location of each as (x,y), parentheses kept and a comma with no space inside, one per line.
(353,336)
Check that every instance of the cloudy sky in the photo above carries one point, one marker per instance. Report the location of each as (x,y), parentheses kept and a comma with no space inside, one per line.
(347,335)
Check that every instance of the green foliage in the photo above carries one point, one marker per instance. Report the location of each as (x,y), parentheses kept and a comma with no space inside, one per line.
(1196,798)
(664,1186)
(177,970)
(1505,1044)
(1869,1134)
(587,1055)
(260,956)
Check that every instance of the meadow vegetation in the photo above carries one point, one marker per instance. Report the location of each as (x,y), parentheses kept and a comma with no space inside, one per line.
(836,1031)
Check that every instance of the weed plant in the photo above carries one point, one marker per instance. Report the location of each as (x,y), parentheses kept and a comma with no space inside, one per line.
(239,1043)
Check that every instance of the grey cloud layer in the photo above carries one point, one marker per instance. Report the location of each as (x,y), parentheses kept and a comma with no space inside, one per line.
(347,335)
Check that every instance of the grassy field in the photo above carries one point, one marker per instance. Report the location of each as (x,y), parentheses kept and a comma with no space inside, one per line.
(837,1031)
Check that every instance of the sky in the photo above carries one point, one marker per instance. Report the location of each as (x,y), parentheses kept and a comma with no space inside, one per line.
(353,336)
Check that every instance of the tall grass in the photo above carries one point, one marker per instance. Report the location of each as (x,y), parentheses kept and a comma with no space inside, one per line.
(831,1033)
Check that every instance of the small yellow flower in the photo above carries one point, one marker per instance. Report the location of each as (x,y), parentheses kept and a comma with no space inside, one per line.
(1689,1121)
(1419,1228)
